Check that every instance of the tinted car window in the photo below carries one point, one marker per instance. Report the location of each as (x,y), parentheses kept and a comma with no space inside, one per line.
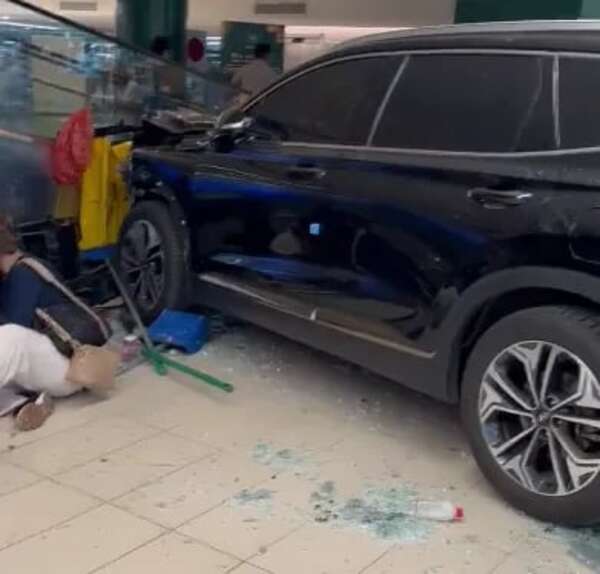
(332,104)
(471,103)
(579,102)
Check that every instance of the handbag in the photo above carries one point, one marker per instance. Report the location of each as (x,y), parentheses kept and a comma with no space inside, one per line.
(74,317)
(91,367)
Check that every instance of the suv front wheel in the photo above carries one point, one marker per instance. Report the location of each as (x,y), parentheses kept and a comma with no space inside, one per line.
(531,406)
(152,259)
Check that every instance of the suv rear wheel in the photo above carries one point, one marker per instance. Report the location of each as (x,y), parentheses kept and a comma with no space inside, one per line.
(152,260)
(531,406)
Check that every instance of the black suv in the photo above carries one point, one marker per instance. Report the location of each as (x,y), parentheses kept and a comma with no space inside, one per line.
(425,204)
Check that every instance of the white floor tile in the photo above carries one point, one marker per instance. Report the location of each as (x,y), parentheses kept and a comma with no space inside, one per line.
(62,451)
(237,476)
(81,545)
(314,548)
(38,507)
(254,518)
(172,553)
(13,478)
(197,488)
(120,471)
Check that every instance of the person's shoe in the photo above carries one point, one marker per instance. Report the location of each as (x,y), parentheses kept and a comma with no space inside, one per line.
(33,415)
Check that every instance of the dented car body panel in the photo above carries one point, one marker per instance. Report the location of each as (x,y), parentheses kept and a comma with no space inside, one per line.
(387,254)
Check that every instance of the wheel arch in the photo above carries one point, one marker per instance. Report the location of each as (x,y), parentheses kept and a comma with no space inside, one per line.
(167,197)
(163,194)
(501,294)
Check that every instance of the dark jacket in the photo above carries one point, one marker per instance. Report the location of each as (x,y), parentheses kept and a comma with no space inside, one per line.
(34,297)
(22,291)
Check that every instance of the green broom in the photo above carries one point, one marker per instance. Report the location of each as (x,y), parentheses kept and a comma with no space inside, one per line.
(158,360)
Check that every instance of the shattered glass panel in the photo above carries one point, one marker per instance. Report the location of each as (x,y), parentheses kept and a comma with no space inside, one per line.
(50,68)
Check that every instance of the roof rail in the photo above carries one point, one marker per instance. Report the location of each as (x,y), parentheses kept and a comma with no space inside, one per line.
(475,28)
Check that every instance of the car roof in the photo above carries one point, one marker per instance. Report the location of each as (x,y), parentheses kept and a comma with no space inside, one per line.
(534,35)
(552,35)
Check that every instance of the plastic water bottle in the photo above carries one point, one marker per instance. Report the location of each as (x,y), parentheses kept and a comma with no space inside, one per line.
(437,511)
(131,348)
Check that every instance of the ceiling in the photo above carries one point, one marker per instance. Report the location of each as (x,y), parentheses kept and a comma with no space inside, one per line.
(209,14)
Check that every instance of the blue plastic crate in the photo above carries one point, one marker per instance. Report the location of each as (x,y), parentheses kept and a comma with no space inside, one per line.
(184,331)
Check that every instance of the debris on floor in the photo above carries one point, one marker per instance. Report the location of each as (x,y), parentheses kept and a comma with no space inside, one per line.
(583,544)
(254,497)
(386,513)
(282,460)
(341,514)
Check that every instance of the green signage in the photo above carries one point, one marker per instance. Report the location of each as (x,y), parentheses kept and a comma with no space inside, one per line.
(509,10)
(141,21)
(240,39)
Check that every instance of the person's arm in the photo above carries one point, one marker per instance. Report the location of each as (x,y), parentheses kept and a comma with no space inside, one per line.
(21,295)
(237,81)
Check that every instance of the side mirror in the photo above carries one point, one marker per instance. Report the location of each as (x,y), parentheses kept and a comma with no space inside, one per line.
(226,136)
(238,127)
(223,142)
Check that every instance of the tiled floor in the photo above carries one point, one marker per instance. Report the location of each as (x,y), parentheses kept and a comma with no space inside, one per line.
(298,472)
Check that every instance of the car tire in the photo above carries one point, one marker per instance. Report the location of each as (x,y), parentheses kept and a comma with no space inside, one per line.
(152,260)
(534,375)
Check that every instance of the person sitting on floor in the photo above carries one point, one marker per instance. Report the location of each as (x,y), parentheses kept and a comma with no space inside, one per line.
(32,364)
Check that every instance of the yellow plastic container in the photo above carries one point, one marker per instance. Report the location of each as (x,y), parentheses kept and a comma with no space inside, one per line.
(68,201)
(104,199)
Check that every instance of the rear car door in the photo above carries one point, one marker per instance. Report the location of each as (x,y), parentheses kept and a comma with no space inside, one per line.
(463,177)
(580,141)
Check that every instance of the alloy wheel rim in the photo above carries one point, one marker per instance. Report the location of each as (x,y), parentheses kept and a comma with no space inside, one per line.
(539,409)
(143,263)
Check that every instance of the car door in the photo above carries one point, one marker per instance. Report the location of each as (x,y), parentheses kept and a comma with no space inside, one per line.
(456,180)
(580,140)
(449,179)
(441,190)
(291,165)
(380,238)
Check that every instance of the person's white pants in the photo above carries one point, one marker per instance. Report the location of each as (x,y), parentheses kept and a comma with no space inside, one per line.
(31,361)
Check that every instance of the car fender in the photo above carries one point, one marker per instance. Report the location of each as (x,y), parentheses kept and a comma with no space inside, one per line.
(168,197)
(489,289)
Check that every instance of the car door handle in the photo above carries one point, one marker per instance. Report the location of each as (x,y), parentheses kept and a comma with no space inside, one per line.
(497,198)
(306,173)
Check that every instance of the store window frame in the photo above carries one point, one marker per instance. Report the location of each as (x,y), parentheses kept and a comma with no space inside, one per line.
(553,55)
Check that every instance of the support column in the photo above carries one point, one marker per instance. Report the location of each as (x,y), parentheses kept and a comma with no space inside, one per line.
(139,22)
(507,10)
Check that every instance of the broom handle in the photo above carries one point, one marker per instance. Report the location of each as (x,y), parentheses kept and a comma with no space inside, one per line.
(156,357)
(130,306)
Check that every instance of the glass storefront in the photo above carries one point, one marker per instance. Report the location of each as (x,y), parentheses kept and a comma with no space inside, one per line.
(49,68)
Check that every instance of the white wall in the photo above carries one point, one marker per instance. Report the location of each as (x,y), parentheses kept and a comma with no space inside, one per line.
(388,13)
(102,18)
(208,14)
